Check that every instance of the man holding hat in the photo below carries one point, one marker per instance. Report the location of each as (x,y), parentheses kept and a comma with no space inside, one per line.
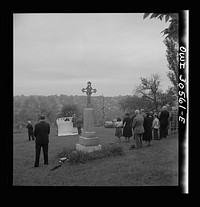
(41,133)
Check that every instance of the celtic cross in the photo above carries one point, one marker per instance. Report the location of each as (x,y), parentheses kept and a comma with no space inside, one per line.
(89,90)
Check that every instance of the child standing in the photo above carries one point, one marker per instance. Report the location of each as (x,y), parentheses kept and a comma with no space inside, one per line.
(118,129)
(155,126)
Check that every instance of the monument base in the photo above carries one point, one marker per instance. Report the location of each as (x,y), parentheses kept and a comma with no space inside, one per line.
(87,148)
(93,141)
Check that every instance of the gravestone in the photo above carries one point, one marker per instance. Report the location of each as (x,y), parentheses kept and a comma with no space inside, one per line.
(88,141)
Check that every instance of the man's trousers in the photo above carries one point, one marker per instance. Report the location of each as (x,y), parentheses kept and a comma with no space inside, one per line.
(45,153)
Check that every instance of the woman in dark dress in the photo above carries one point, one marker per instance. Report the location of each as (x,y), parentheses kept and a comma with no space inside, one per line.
(147,136)
(164,122)
(127,130)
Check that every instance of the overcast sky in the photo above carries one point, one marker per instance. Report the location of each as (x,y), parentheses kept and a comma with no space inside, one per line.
(60,53)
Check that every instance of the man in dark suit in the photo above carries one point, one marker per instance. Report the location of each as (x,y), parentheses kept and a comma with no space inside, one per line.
(164,122)
(41,133)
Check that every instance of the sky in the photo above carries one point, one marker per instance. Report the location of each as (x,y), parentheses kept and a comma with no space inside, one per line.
(60,53)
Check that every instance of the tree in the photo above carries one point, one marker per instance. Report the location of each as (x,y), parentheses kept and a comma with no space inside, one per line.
(172,59)
(171,41)
(131,103)
(69,110)
(150,89)
(172,30)
(169,97)
(30,109)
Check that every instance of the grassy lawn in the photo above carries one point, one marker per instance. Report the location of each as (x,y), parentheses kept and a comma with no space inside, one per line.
(156,165)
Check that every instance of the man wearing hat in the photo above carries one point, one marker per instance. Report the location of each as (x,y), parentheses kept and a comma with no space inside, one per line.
(41,133)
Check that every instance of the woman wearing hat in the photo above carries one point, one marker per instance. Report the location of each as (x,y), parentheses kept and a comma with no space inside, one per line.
(127,130)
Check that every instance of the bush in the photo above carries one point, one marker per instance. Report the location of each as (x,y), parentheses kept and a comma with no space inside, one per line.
(76,156)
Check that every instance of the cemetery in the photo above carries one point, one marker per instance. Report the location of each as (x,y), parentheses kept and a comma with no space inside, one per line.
(102,99)
(153,166)
(73,158)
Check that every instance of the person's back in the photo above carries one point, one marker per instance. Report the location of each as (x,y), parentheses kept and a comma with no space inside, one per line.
(127,130)
(30,131)
(147,122)
(127,122)
(29,127)
(147,136)
(78,123)
(138,129)
(164,121)
(138,124)
(164,115)
(41,132)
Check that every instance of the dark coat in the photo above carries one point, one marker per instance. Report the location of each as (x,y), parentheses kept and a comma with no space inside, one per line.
(164,118)
(147,136)
(127,130)
(78,123)
(41,132)
(30,128)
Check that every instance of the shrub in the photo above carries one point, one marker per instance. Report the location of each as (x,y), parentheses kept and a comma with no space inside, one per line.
(76,156)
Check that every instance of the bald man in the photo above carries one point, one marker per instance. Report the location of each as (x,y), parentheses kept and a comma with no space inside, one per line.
(138,129)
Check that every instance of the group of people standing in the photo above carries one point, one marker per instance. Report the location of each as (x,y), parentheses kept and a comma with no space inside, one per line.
(140,124)
(143,126)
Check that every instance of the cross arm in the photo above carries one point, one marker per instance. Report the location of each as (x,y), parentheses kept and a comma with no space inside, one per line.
(84,90)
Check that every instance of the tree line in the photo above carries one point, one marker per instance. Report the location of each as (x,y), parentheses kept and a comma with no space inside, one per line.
(27,108)
(147,95)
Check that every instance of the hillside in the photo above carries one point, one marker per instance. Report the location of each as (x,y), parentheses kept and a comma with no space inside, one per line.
(156,165)
(28,107)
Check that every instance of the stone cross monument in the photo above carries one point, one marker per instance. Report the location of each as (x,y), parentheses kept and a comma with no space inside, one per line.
(89,90)
(88,141)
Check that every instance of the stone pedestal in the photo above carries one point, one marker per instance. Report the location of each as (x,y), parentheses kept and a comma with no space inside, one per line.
(88,141)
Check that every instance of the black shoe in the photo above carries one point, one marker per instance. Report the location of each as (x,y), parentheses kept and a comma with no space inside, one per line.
(36,165)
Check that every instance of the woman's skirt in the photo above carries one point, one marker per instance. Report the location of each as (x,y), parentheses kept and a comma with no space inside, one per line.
(118,132)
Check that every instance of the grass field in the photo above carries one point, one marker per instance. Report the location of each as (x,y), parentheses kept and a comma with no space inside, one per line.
(156,165)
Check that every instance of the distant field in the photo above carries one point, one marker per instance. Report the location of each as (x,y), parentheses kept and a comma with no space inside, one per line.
(156,165)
